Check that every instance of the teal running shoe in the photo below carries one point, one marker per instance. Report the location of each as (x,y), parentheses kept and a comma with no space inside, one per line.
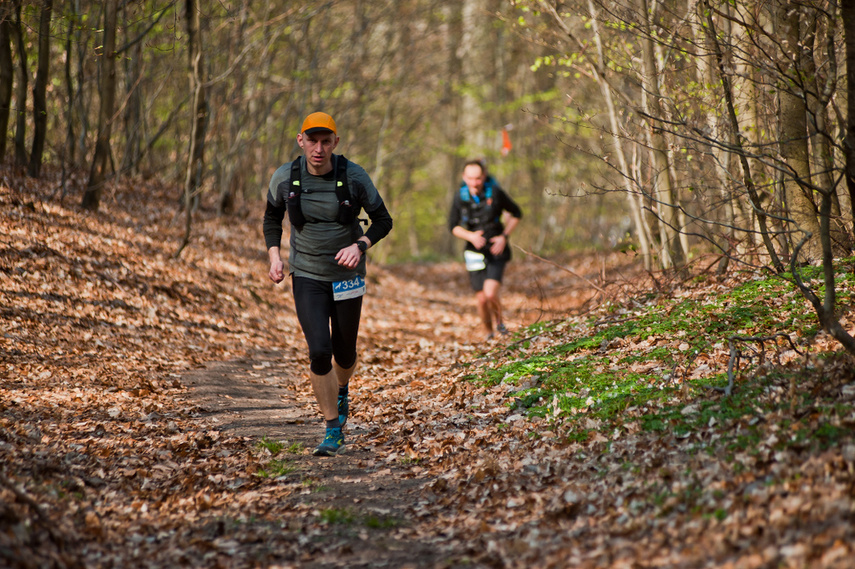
(332,445)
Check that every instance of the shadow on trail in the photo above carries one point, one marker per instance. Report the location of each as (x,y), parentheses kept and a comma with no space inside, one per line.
(248,397)
(372,505)
(419,324)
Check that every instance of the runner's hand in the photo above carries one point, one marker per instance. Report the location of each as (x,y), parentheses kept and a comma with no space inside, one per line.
(277,271)
(498,244)
(477,239)
(349,256)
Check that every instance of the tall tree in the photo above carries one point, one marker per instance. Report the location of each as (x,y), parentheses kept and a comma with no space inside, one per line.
(133,111)
(848,11)
(632,195)
(198,123)
(794,142)
(101,157)
(826,307)
(231,166)
(67,156)
(40,110)
(7,72)
(739,146)
(20,89)
(665,191)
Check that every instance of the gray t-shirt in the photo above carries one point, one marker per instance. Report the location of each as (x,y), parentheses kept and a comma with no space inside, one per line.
(313,247)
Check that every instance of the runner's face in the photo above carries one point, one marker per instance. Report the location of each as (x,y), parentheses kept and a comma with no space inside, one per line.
(318,148)
(473,176)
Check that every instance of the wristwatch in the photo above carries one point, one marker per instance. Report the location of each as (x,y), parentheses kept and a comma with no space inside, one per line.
(363,246)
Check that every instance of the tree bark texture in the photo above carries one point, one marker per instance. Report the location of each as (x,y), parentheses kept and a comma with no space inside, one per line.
(98,170)
(739,148)
(667,204)
(20,91)
(195,159)
(634,204)
(40,110)
(7,73)
(798,187)
(848,11)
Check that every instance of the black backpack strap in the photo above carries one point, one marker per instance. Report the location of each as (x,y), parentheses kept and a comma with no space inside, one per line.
(465,206)
(342,191)
(296,172)
(292,197)
(347,209)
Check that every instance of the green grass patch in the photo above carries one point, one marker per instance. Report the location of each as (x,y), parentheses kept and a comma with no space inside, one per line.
(273,447)
(336,516)
(630,369)
(375,522)
(276,468)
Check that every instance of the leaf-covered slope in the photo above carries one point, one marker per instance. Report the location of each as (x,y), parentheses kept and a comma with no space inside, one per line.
(587,438)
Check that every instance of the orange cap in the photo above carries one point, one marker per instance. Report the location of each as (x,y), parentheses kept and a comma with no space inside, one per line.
(318,122)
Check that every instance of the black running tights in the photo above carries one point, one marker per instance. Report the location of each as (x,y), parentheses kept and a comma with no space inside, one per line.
(330,327)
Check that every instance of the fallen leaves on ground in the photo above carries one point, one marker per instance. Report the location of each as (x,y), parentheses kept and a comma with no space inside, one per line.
(107,460)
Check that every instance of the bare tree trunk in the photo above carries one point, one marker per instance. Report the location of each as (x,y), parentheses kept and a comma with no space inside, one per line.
(40,91)
(450,119)
(7,72)
(473,122)
(81,102)
(848,11)
(794,142)
(20,91)
(673,178)
(717,133)
(738,146)
(826,308)
(228,179)
(666,195)
(746,99)
(820,64)
(133,112)
(634,204)
(98,170)
(193,177)
(68,146)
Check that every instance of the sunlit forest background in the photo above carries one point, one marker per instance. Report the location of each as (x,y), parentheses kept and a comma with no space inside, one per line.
(676,388)
(669,128)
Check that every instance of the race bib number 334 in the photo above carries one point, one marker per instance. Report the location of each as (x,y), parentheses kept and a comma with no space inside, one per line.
(351,288)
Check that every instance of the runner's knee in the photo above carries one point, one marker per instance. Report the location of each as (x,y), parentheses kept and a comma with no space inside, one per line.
(346,361)
(491,296)
(320,363)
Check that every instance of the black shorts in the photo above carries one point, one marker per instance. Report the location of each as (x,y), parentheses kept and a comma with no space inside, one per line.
(494,270)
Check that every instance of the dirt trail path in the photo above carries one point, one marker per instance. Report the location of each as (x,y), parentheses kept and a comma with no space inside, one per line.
(416,324)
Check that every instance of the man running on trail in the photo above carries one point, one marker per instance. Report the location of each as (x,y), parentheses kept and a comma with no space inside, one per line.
(323,194)
(476,217)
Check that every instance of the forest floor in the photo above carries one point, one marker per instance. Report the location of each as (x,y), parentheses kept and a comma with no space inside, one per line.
(155,412)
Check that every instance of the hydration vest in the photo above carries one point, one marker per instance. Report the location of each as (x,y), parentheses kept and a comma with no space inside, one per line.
(475,211)
(292,190)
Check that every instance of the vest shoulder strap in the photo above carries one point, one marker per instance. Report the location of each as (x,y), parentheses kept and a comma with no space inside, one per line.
(464,192)
(296,172)
(292,196)
(342,190)
(466,197)
(488,188)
